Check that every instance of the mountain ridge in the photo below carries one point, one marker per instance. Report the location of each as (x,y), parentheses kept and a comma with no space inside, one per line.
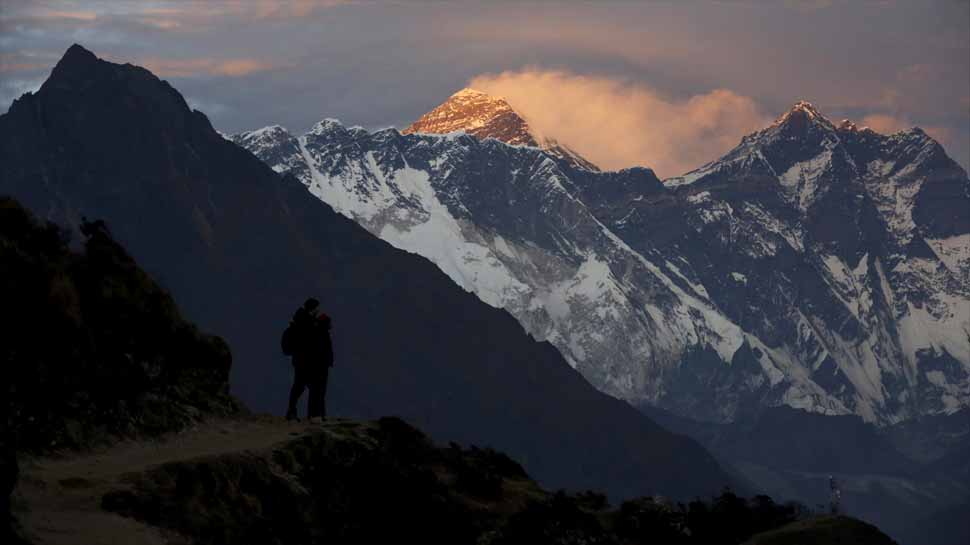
(782,186)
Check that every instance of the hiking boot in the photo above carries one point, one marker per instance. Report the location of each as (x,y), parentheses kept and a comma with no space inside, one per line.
(291,416)
(316,420)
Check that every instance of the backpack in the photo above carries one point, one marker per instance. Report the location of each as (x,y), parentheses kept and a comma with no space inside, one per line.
(288,341)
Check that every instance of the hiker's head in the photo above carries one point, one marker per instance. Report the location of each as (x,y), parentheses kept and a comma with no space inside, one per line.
(311,305)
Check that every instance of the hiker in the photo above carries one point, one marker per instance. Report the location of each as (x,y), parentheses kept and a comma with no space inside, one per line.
(307,340)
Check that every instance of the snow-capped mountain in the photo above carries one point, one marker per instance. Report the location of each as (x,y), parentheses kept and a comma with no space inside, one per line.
(485,116)
(815,266)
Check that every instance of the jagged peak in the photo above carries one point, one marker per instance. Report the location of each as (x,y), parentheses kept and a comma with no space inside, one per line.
(482,115)
(803,111)
(77,54)
(469,92)
(469,97)
(270,133)
(77,62)
(848,125)
(324,125)
(806,106)
(269,129)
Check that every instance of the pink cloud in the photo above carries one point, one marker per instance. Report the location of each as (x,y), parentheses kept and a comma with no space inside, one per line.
(884,124)
(71,15)
(887,124)
(617,124)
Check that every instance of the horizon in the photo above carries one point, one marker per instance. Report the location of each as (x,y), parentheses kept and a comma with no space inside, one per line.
(673,86)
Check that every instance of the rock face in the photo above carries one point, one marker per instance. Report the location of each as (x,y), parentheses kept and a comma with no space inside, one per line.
(820,267)
(240,250)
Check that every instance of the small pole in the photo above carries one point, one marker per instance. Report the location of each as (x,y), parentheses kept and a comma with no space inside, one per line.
(835,496)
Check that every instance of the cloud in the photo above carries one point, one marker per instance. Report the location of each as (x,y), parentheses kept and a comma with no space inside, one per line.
(176,68)
(69,15)
(240,67)
(211,109)
(888,124)
(11,89)
(884,124)
(618,124)
(19,62)
(173,14)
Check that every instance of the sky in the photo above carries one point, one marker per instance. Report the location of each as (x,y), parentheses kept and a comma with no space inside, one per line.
(668,85)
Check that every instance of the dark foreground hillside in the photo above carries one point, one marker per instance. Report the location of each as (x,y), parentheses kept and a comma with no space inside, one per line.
(255,480)
(93,348)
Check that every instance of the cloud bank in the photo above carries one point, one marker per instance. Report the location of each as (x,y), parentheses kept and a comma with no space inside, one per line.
(618,124)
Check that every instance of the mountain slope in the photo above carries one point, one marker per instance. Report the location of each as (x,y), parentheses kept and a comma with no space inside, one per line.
(240,250)
(836,228)
(712,294)
(505,223)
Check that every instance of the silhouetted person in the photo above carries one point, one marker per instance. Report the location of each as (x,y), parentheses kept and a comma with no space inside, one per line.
(307,339)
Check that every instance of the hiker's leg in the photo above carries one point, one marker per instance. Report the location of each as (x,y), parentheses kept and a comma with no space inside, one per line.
(314,403)
(295,392)
(322,389)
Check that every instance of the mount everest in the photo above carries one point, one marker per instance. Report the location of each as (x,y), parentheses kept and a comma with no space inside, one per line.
(819,266)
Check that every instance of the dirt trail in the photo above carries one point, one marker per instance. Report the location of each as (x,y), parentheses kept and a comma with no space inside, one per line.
(58,500)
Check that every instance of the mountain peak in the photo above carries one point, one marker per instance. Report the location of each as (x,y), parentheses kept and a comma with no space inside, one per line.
(848,125)
(482,115)
(77,54)
(807,107)
(77,62)
(468,92)
(478,114)
(802,114)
